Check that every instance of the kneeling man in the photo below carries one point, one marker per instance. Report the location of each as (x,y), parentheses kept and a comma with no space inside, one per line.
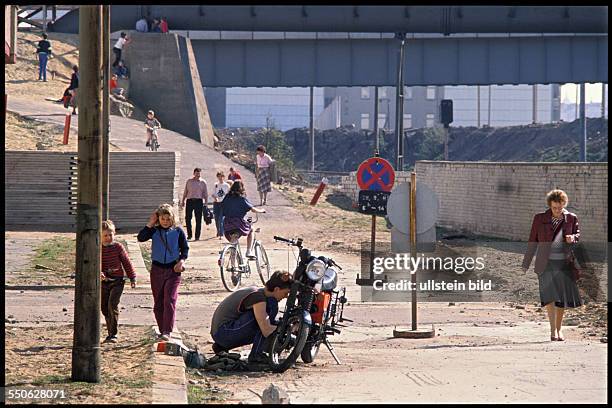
(248,316)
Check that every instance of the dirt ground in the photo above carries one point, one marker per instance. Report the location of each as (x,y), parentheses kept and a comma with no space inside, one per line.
(39,357)
(22,78)
(28,134)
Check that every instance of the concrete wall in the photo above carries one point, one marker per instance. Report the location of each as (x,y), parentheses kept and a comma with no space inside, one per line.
(43,197)
(482,196)
(164,78)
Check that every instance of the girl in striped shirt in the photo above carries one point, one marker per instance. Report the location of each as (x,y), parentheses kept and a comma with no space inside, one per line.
(115,262)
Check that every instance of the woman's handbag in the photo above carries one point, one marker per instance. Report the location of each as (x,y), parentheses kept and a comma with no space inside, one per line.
(571,260)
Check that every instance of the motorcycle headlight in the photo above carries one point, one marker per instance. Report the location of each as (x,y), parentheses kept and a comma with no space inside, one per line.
(330,279)
(315,269)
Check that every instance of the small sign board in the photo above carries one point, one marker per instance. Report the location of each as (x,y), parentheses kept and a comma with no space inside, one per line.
(373,202)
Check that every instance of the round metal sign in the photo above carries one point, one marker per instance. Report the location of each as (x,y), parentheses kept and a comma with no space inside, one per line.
(398,208)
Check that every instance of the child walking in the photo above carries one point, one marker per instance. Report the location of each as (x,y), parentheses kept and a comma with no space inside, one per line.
(115,262)
(169,250)
(220,191)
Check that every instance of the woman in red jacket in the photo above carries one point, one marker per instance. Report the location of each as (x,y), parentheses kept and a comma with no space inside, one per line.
(551,233)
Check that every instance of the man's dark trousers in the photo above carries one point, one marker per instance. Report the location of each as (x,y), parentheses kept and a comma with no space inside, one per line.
(245,330)
(197,205)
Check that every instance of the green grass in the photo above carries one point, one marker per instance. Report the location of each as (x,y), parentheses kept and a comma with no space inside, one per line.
(146,255)
(196,394)
(57,253)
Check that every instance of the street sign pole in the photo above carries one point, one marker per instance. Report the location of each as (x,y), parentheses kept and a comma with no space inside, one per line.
(413,245)
(375,177)
(414,332)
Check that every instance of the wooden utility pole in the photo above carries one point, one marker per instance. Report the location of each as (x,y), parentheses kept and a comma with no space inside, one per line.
(86,344)
(105,111)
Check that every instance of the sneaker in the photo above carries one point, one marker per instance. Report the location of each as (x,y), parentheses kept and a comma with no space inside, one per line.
(217,348)
(112,339)
(107,339)
(260,358)
(147,144)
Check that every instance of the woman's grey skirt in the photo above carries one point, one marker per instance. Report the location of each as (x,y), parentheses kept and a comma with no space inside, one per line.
(557,285)
(263,180)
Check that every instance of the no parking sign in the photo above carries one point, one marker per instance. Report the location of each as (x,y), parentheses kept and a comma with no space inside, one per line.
(375,174)
(375,177)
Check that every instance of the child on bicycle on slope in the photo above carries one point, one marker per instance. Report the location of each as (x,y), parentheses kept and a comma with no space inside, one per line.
(115,262)
(169,250)
(151,123)
(234,207)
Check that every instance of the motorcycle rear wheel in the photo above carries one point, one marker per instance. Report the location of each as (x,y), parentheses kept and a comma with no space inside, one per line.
(280,344)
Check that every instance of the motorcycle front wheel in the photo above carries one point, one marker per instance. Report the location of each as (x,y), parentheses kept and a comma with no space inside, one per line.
(288,344)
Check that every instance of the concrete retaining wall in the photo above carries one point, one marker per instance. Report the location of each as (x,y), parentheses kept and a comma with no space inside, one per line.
(482,197)
(41,188)
(164,78)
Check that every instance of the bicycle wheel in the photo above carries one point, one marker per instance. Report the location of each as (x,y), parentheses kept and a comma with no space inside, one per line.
(154,144)
(262,263)
(230,268)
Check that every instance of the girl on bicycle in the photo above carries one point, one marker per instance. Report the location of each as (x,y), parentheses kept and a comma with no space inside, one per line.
(169,250)
(234,207)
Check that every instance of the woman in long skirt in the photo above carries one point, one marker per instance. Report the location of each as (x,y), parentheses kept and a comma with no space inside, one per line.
(552,232)
(263,161)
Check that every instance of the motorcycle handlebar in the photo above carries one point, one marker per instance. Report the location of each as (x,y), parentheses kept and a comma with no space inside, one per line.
(289,241)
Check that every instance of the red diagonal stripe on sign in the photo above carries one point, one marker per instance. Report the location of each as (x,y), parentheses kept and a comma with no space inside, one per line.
(376,177)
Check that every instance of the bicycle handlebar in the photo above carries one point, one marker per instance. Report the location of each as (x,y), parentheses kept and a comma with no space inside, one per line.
(289,241)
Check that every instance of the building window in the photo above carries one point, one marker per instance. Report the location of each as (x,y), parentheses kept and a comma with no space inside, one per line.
(365,121)
(365,92)
(429,120)
(382,92)
(382,118)
(407,93)
(431,92)
(407,120)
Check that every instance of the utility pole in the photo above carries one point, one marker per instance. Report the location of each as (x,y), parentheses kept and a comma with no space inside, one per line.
(312,136)
(534,102)
(577,102)
(44,24)
(105,111)
(478,105)
(399,105)
(583,125)
(489,109)
(376,138)
(86,342)
(603,99)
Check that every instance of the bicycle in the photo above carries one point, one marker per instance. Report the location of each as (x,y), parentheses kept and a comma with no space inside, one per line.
(232,265)
(153,144)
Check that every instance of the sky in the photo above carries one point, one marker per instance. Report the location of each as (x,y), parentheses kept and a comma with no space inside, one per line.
(593,93)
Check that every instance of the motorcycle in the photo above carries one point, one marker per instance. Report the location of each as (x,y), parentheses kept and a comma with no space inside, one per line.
(311,312)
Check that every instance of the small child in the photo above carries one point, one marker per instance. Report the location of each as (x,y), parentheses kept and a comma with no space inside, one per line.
(220,191)
(115,262)
(151,123)
(169,250)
